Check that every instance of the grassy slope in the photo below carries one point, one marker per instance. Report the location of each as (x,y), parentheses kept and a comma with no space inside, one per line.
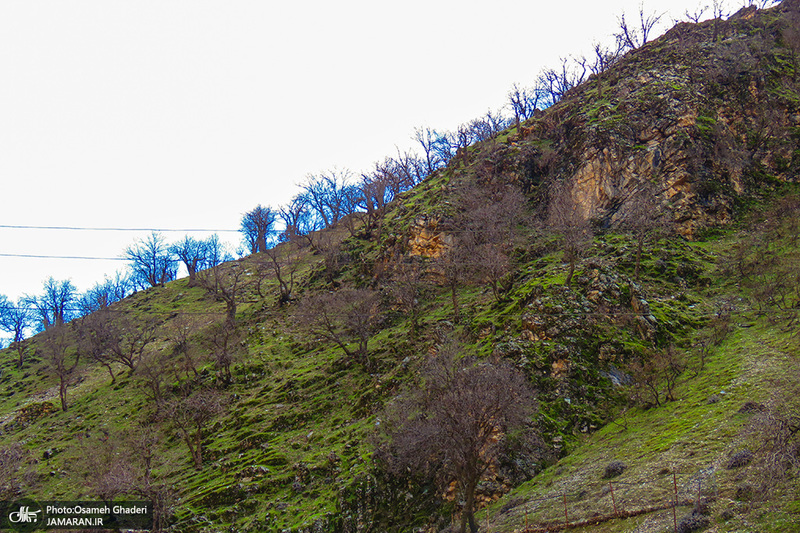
(692,438)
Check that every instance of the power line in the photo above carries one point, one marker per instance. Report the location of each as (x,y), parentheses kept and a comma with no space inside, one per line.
(78,228)
(80,257)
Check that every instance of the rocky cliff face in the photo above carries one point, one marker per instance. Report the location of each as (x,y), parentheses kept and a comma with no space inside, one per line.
(704,115)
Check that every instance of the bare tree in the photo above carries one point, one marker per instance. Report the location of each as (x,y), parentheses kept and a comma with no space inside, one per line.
(181,336)
(329,195)
(343,317)
(105,293)
(16,319)
(697,15)
(228,283)
(523,101)
(192,253)
(127,341)
(408,288)
(645,219)
(151,260)
(96,336)
(191,415)
(224,342)
(12,460)
(60,360)
(283,262)
(54,305)
(655,373)
(631,37)
(427,139)
(153,372)
(566,219)
(719,13)
(127,464)
(216,253)
(557,82)
(604,58)
(453,427)
(256,228)
(298,219)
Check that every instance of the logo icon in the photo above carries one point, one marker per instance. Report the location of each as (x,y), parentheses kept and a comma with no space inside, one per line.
(24,515)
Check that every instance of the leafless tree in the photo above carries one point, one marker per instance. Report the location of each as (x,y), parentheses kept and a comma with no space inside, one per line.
(105,293)
(55,304)
(126,464)
(228,283)
(408,287)
(12,460)
(181,334)
(96,335)
(283,262)
(631,37)
(224,342)
(153,372)
(329,195)
(719,13)
(645,219)
(298,219)
(191,415)
(486,225)
(523,101)
(697,15)
(453,427)
(192,253)
(775,433)
(60,360)
(16,319)
(256,228)
(655,373)
(557,82)
(566,219)
(128,341)
(343,317)
(427,139)
(604,58)
(151,260)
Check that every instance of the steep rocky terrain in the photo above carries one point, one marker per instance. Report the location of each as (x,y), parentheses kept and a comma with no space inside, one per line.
(643,341)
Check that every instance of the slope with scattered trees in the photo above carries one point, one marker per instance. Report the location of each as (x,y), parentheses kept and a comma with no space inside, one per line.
(458,329)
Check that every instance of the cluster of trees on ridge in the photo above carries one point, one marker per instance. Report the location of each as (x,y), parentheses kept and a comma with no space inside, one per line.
(324,199)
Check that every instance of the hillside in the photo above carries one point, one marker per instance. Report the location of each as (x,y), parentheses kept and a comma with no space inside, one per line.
(632,251)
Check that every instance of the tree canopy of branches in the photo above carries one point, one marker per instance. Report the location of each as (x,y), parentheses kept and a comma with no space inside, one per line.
(191,415)
(645,220)
(227,283)
(331,196)
(256,228)
(60,360)
(632,37)
(455,426)
(151,260)
(54,305)
(343,317)
(16,319)
(566,220)
(105,293)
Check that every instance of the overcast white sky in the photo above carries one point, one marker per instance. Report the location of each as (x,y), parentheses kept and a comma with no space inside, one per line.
(186,114)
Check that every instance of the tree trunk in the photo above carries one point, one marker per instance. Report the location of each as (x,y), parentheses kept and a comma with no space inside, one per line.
(468,513)
(571,272)
(62,391)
